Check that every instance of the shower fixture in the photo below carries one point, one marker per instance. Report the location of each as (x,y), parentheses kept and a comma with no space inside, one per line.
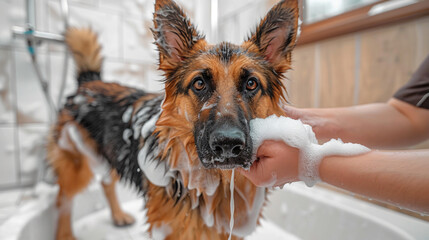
(35,38)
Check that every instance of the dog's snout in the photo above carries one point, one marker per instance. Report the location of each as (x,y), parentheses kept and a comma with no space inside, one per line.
(227,141)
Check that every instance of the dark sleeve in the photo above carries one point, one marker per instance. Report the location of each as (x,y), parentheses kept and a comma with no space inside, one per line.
(416,91)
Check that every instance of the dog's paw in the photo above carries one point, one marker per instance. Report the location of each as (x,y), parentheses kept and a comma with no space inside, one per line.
(123,219)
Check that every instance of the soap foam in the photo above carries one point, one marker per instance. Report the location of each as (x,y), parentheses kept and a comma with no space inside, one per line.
(296,134)
(126,117)
(161,232)
(231,204)
(98,165)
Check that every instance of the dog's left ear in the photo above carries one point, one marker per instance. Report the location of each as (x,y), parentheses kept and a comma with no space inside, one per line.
(275,36)
(174,33)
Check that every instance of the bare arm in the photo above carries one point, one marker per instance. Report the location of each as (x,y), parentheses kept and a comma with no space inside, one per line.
(400,177)
(382,125)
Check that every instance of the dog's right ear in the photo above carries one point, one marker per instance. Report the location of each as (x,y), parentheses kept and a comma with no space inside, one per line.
(174,34)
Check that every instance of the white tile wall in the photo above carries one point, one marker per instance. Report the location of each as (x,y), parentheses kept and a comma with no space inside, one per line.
(56,66)
(12,12)
(129,74)
(237,19)
(8,163)
(7,115)
(32,107)
(41,15)
(130,8)
(130,58)
(137,41)
(32,142)
(84,2)
(106,24)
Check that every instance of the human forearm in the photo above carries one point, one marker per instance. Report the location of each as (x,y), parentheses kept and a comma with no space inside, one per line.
(381,125)
(376,125)
(400,178)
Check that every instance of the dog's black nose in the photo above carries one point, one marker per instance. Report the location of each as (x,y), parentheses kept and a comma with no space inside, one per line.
(227,141)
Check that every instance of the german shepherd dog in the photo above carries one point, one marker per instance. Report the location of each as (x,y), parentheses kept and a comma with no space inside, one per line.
(179,147)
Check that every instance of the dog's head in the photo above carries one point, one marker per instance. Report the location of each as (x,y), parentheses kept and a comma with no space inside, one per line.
(213,91)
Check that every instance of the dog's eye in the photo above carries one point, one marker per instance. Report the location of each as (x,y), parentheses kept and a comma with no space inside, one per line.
(199,84)
(251,84)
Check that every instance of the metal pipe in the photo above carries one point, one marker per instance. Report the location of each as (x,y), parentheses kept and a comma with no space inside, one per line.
(37,35)
(45,88)
(65,13)
(31,14)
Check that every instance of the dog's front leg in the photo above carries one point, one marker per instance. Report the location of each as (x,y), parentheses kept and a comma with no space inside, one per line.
(120,218)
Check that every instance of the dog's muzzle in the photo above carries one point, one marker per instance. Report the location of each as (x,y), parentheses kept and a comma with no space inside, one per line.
(224,145)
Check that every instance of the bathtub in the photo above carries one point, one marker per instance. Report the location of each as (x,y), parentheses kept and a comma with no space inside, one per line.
(295,212)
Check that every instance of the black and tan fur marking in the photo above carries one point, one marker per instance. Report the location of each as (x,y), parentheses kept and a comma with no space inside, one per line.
(190,137)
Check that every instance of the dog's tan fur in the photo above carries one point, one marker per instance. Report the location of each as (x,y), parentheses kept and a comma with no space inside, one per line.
(85,48)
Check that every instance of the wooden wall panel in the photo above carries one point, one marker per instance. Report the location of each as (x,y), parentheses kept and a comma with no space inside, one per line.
(337,72)
(388,58)
(300,82)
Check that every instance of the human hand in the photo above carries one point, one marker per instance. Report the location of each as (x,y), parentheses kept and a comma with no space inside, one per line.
(277,165)
(324,124)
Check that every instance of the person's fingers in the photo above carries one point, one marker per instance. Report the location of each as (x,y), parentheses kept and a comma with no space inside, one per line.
(270,148)
(266,149)
(292,112)
(263,150)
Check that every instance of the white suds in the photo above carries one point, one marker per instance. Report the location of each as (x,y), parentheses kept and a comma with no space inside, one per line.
(161,232)
(126,117)
(149,126)
(231,204)
(301,136)
(252,214)
(298,34)
(126,135)
(187,116)
(208,106)
(156,171)
(79,99)
(208,217)
(99,167)
(138,120)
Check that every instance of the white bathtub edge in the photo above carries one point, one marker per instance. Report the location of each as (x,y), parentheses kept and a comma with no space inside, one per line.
(408,227)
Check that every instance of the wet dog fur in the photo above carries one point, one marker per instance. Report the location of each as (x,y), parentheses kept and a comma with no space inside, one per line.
(177,147)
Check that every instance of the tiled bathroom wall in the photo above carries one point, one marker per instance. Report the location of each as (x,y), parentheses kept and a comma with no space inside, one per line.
(238,18)
(130,59)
